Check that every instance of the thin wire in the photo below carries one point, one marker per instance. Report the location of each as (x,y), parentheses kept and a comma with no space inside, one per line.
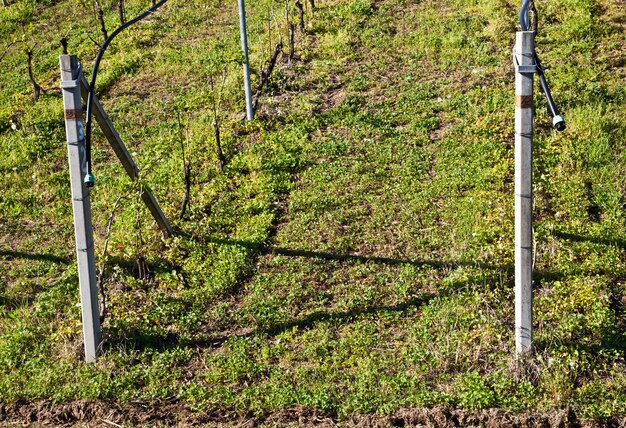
(94,75)
(525,134)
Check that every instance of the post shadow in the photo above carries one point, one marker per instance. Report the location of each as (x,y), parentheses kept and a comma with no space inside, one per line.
(266,249)
(621,243)
(141,341)
(144,341)
(10,255)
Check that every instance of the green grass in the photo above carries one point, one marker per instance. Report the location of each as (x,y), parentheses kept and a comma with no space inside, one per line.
(356,253)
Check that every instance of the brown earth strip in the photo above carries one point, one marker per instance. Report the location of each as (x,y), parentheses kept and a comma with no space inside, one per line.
(107,414)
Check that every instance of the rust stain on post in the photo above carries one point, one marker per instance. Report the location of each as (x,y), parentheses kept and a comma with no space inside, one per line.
(524,101)
(73,114)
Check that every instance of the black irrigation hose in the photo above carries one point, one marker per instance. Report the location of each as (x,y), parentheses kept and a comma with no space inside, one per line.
(557,120)
(524,18)
(89,180)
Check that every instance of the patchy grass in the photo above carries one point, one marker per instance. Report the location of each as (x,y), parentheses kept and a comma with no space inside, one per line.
(355,254)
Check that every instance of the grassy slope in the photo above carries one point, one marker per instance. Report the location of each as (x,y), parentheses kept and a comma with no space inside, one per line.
(356,254)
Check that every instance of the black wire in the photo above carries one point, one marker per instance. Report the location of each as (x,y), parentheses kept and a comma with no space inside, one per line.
(523,14)
(524,19)
(94,75)
(527,25)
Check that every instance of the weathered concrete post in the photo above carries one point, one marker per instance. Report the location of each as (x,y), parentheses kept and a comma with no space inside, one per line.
(71,74)
(524,75)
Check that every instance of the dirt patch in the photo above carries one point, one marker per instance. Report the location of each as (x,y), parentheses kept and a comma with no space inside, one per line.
(298,416)
(110,414)
(438,133)
(447,417)
(335,98)
(145,85)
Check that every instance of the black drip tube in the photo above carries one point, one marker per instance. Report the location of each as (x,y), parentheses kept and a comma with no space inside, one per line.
(557,120)
(89,179)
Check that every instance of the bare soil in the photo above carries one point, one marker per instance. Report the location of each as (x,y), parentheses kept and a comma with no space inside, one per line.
(110,414)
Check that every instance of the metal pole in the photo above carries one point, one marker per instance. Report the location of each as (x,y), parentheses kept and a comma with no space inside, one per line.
(246,63)
(71,74)
(524,69)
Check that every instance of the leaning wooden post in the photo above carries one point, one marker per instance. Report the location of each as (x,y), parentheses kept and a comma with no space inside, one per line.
(524,70)
(125,158)
(246,61)
(70,84)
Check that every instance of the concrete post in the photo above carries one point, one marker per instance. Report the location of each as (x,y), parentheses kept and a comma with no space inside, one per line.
(525,68)
(74,128)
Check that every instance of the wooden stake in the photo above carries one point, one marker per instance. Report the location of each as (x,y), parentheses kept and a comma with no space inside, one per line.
(74,128)
(524,48)
(125,158)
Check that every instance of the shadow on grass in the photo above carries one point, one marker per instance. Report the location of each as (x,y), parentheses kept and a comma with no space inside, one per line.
(136,339)
(10,303)
(621,243)
(611,342)
(143,341)
(438,264)
(508,268)
(614,338)
(141,268)
(10,255)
